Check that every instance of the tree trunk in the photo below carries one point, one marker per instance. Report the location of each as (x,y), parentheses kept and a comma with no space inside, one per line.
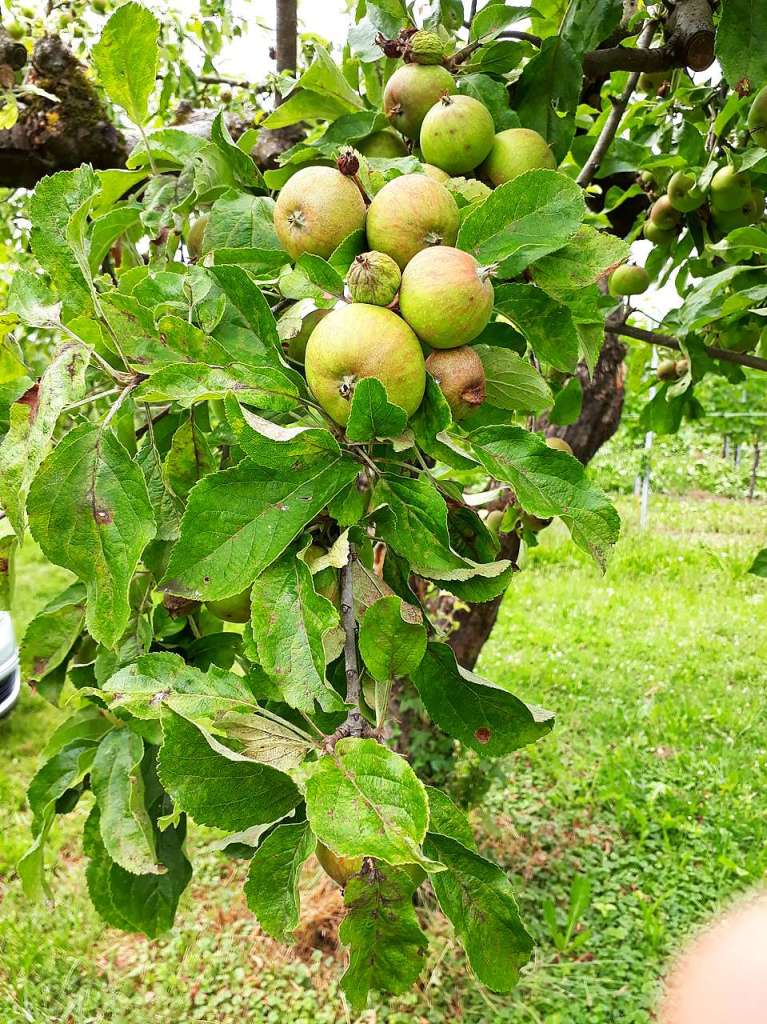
(286,49)
(600,416)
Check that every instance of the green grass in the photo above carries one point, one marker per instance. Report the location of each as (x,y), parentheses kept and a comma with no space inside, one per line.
(643,811)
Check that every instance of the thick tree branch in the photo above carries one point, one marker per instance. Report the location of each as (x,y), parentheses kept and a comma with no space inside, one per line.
(286,48)
(615,116)
(667,341)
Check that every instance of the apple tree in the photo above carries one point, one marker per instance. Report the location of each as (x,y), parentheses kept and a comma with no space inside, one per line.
(274,393)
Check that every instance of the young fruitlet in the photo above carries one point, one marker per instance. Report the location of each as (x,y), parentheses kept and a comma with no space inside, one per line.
(757,118)
(383,145)
(457,134)
(373,277)
(359,340)
(195,236)
(446,297)
(558,444)
(683,193)
(629,281)
(730,189)
(232,609)
(315,211)
(751,212)
(410,94)
(295,326)
(410,213)
(461,378)
(425,48)
(657,235)
(515,151)
(650,81)
(494,520)
(663,214)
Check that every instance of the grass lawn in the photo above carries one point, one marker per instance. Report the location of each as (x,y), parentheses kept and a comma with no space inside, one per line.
(643,811)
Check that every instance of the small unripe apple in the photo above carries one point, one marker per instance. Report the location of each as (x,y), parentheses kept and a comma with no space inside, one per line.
(558,444)
(446,297)
(666,370)
(493,521)
(629,281)
(232,609)
(354,341)
(515,151)
(410,94)
(683,192)
(461,378)
(650,81)
(373,277)
(339,868)
(382,145)
(730,189)
(315,211)
(757,118)
(751,212)
(15,30)
(435,172)
(657,235)
(457,134)
(410,213)
(295,327)
(663,214)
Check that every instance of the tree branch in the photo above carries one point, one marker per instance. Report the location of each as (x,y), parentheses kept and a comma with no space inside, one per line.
(667,341)
(286,49)
(354,720)
(613,121)
(526,37)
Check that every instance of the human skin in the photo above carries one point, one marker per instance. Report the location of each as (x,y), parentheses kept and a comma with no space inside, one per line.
(721,977)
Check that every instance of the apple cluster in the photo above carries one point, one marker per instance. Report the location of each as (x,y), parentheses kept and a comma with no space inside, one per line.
(413,301)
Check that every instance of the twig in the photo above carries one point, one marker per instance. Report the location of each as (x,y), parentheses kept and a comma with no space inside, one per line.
(611,125)
(473,11)
(148,425)
(91,398)
(666,341)
(116,407)
(526,37)
(354,719)
(235,83)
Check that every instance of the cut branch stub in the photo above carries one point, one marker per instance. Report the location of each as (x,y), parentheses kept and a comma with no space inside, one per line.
(12,52)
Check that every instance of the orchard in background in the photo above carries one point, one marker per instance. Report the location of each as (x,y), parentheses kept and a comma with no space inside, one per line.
(273,389)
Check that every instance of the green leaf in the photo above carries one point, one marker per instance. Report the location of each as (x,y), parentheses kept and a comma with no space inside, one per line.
(272,886)
(246,174)
(589,22)
(372,415)
(312,278)
(527,218)
(512,382)
(267,738)
(290,621)
(167,506)
(549,483)
(386,943)
(414,524)
(139,903)
(251,307)
(547,93)
(366,801)
(547,324)
(238,220)
(488,22)
(321,92)
(447,819)
(216,786)
(117,783)
(568,403)
(54,202)
(391,646)
(271,445)
(126,58)
(189,458)
(33,419)
(759,564)
(32,300)
(484,717)
(89,511)
(164,679)
(740,42)
(583,261)
(239,520)
(7,558)
(52,633)
(108,228)
(477,898)
(188,383)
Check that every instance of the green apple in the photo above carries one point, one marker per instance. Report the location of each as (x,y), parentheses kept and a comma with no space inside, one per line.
(295,327)
(683,192)
(382,145)
(659,236)
(410,213)
(410,94)
(663,214)
(315,211)
(629,281)
(446,297)
(757,118)
(196,235)
(730,189)
(457,134)
(515,151)
(356,341)
(232,609)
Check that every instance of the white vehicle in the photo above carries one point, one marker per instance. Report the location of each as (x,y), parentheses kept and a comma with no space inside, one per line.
(10,678)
